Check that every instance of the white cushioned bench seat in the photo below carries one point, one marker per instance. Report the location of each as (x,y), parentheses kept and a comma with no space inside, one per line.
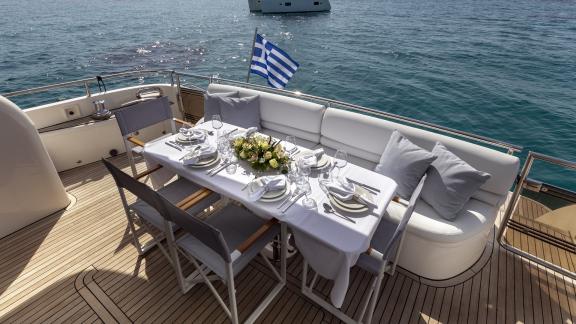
(283,114)
(279,135)
(351,158)
(434,248)
(438,248)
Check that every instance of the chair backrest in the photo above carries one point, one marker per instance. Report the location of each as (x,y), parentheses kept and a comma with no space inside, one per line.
(140,190)
(401,228)
(144,114)
(204,232)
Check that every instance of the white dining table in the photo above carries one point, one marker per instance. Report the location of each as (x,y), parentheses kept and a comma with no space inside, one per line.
(330,244)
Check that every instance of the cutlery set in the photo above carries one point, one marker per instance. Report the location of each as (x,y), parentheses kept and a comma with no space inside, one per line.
(214,171)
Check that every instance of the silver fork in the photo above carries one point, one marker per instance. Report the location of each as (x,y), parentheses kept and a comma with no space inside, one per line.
(290,196)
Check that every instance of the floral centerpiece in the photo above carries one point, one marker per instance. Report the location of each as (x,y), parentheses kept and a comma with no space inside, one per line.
(262,152)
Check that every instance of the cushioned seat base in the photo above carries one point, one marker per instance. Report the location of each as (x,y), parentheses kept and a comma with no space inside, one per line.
(236,224)
(174,192)
(437,248)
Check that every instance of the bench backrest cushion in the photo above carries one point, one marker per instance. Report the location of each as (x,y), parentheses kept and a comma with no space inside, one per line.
(367,136)
(283,114)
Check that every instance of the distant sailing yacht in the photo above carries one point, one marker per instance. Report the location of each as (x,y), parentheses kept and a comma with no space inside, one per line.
(286,6)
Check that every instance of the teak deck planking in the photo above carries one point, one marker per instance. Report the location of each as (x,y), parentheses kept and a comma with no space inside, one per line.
(79,265)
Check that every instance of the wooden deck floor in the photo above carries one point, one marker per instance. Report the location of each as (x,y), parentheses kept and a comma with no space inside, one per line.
(79,266)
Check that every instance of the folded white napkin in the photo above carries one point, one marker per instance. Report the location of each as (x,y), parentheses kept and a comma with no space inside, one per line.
(349,191)
(202,152)
(312,158)
(264,184)
(247,133)
(198,135)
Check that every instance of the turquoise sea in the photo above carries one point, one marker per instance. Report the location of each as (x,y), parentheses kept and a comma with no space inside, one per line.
(502,69)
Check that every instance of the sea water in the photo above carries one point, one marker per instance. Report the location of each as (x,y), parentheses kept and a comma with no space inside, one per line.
(497,68)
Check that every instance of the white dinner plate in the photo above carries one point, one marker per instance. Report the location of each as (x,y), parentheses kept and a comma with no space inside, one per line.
(205,163)
(183,140)
(269,196)
(324,160)
(351,207)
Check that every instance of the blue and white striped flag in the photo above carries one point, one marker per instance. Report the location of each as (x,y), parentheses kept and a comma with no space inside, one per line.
(272,63)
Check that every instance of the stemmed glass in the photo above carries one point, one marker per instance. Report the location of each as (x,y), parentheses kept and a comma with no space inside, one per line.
(217,123)
(340,161)
(290,145)
(304,184)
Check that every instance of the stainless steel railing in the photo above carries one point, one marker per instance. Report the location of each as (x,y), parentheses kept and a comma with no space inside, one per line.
(513,202)
(86,82)
(175,78)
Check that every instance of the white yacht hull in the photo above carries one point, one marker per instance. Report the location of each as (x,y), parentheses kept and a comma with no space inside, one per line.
(288,6)
(70,147)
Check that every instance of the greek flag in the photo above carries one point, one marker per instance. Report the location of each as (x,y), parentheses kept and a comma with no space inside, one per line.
(272,63)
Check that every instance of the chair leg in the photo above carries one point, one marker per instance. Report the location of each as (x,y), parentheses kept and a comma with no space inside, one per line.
(139,248)
(232,294)
(131,160)
(374,298)
(366,299)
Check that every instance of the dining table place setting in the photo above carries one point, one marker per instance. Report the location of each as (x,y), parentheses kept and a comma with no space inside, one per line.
(333,207)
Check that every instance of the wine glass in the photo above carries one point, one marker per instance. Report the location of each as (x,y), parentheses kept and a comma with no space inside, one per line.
(217,122)
(340,161)
(290,144)
(304,185)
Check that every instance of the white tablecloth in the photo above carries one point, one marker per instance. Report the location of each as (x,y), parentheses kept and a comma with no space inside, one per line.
(330,244)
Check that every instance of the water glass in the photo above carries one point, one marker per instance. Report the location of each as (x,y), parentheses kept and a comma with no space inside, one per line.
(304,186)
(217,122)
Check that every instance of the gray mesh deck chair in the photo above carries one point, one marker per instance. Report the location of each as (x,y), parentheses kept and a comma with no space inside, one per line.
(224,244)
(181,192)
(136,117)
(380,258)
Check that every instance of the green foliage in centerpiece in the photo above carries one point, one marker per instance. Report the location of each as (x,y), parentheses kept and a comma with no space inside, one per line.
(262,152)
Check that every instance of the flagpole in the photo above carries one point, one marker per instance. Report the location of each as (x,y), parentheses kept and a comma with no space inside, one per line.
(251,54)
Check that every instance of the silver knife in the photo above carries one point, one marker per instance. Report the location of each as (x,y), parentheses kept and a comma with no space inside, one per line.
(230,132)
(285,201)
(173,146)
(216,167)
(365,186)
(222,167)
(292,202)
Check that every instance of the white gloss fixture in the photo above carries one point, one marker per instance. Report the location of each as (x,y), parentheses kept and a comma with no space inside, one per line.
(287,6)
(30,187)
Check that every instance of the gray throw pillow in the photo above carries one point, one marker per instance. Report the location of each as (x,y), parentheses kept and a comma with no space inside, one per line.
(242,112)
(212,103)
(404,162)
(450,183)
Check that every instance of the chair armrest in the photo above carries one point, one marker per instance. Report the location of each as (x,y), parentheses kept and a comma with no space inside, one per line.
(147,172)
(244,246)
(194,198)
(180,121)
(374,253)
(135,141)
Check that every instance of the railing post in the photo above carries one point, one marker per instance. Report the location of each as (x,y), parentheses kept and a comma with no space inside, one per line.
(179,95)
(87,88)
(512,204)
